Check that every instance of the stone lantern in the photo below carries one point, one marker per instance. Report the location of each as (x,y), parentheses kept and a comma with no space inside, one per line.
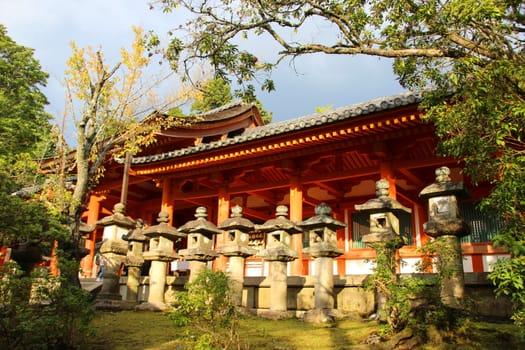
(445,224)
(322,234)
(279,232)
(236,247)
(113,250)
(161,251)
(116,225)
(134,260)
(384,236)
(384,221)
(200,242)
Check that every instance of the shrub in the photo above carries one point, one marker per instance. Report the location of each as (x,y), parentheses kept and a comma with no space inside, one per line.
(412,302)
(508,276)
(41,312)
(206,311)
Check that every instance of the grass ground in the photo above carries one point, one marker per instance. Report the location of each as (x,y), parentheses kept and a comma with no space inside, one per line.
(129,330)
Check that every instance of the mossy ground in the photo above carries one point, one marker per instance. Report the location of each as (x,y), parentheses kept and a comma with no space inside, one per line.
(154,331)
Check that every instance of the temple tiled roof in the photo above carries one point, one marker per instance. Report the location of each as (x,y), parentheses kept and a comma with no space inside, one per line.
(225,112)
(297,124)
(212,114)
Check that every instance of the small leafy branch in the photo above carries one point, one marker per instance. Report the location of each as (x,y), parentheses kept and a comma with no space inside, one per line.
(206,311)
(411,301)
(509,277)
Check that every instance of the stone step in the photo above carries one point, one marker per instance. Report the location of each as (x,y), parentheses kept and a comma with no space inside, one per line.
(91,284)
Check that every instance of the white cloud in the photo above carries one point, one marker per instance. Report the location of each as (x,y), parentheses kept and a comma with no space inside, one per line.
(49,25)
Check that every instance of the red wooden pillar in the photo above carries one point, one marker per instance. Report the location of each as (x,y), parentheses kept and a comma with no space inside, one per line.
(298,267)
(386,172)
(340,234)
(93,211)
(53,264)
(5,255)
(422,216)
(477,263)
(167,199)
(223,212)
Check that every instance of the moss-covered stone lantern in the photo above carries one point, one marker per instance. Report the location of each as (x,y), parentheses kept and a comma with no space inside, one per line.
(384,235)
(201,234)
(322,232)
(237,248)
(113,250)
(134,259)
(384,212)
(279,232)
(161,250)
(446,225)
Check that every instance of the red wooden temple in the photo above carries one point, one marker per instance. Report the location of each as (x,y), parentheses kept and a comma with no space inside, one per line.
(228,157)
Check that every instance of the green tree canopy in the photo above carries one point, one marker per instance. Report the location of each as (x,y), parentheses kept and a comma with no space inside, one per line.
(466,57)
(216,92)
(24,138)
(23,122)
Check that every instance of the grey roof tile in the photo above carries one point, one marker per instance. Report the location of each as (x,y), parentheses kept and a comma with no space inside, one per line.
(272,129)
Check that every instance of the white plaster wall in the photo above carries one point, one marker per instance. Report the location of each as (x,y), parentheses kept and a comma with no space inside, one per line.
(409,265)
(180,265)
(467,264)
(266,268)
(359,267)
(488,260)
(254,269)
(311,268)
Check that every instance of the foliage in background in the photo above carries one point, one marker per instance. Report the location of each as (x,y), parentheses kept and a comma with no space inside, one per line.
(26,137)
(465,57)
(484,123)
(25,221)
(38,312)
(216,92)
(206,310)
(23,122)
(112,109)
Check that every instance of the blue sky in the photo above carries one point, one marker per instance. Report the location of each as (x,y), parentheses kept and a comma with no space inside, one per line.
(316,80)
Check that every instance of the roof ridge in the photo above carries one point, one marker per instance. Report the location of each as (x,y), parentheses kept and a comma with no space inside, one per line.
(222,108)
(304,122)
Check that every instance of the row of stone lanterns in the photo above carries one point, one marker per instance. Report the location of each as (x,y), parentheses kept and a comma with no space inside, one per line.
(321,230)
(200,232)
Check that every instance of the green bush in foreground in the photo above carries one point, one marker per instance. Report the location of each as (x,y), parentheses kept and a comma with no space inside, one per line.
(39,312)
(207,313)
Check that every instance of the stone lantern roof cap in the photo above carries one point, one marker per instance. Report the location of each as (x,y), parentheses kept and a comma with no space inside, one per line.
(281,222)
(200,225)
(163,229)
(383,203)
(85,228)
(118,218)
(236,221)
(137,234)
(444,186)
(321,219)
